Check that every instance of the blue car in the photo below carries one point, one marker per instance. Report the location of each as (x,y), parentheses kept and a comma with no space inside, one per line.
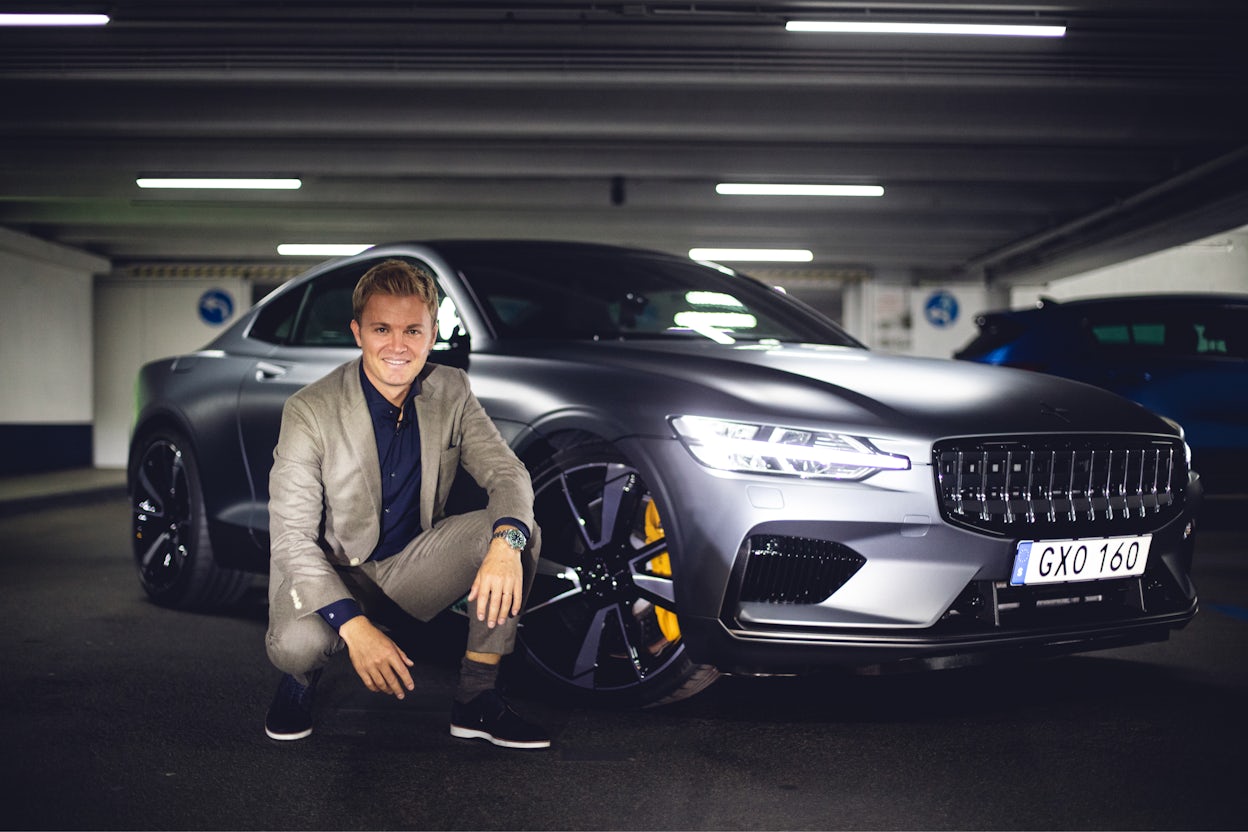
(1184,357)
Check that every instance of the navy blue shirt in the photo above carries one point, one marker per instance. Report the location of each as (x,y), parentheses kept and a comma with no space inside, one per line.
(398,453)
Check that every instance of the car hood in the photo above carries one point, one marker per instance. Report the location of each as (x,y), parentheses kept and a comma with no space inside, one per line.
(881,393)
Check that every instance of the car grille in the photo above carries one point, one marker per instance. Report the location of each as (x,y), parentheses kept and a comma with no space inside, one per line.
(1060,486)
(796,570)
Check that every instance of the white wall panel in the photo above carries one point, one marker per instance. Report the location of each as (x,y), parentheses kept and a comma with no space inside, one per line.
(45,341)
(1215,264)
(139,321)
(943,317)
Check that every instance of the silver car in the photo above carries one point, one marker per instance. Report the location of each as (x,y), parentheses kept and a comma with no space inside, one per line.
(726,482)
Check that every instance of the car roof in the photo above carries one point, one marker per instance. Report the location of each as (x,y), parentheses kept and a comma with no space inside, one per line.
(1168,299)
(450,246)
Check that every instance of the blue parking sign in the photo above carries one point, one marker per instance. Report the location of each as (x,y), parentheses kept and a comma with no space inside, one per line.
(215,307)
(941,309)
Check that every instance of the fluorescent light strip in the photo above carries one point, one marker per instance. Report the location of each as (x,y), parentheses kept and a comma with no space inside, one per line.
(746,189)
(322,249)
(53,19)
(232,184)
(755,255)
(881,28)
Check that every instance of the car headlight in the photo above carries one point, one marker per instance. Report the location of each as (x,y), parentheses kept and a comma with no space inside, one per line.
(774,449)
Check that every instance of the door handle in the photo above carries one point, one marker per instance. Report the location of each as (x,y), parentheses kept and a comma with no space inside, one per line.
(267,372)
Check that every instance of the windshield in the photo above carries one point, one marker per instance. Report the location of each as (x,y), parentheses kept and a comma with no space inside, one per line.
(536,292)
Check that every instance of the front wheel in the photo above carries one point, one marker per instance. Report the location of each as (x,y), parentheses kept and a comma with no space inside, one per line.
(170,530)
(601,619)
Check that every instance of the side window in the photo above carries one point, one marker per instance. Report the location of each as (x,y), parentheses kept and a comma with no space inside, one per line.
(1223,333)
(450,327)
(320,314)
(1155,336)
(1112,335)
(1151,334)
(1210,340)
(326,317)
(276,321)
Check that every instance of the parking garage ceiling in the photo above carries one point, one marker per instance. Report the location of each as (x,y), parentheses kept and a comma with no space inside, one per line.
(1011,159)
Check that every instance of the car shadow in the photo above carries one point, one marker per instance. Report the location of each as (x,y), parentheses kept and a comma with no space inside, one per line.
(1065,684)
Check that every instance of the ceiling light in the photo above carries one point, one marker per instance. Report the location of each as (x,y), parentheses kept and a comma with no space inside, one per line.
(53,19)
(882,28)
(322,249)
(269,184)
(754,255)
(797,190)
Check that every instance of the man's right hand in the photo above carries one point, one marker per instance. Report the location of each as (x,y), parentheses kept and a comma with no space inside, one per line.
(382,666)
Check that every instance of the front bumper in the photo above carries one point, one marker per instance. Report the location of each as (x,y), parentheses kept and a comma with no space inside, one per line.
(926,593)
(712,641)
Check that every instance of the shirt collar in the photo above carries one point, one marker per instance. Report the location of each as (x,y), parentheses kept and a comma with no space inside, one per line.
(377,403)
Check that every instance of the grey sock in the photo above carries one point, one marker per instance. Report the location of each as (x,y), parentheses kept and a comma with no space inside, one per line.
(475,678)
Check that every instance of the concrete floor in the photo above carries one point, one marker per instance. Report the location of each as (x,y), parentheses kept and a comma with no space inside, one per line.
(117,714)
(20,492)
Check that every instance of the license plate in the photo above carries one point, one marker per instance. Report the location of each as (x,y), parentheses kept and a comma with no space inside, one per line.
(1091,559)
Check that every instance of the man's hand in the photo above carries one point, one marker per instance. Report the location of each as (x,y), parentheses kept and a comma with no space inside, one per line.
(379,661)
(499,584)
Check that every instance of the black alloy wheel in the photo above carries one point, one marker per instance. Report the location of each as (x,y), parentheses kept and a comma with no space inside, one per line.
(601,617)
(170,532)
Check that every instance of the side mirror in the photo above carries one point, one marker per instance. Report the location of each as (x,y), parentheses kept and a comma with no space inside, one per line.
(454,351)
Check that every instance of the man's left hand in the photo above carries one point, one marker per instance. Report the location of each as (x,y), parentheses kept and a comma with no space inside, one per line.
(499,586)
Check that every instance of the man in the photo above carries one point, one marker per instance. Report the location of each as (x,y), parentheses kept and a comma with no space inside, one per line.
(358,490)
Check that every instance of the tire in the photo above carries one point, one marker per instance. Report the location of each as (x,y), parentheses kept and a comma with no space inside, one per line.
(170,530)
(601,620)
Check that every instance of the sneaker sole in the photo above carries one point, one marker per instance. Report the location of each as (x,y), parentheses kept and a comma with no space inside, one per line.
(298,735)
(474,734)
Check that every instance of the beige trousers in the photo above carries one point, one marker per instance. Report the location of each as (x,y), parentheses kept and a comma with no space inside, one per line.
(430,574)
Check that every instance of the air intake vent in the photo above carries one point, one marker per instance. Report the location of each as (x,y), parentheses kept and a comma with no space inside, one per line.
(796,570)
(1060,485)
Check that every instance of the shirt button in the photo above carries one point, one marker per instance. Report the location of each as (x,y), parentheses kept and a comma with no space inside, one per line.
(355,561)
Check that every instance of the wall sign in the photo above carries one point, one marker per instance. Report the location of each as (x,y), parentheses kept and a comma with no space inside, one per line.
(941,309)
(215,307)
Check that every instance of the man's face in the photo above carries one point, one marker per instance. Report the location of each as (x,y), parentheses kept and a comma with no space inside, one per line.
(396,334)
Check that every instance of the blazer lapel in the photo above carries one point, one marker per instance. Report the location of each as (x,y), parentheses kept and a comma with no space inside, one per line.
(429,419)
(357,424)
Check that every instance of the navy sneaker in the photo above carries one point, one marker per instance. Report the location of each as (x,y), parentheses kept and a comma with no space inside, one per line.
(489,717)
(290,715)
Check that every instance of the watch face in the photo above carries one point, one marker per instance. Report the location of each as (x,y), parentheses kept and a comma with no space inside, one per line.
(514,538)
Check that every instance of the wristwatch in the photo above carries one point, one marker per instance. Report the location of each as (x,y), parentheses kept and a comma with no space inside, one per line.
(514,537)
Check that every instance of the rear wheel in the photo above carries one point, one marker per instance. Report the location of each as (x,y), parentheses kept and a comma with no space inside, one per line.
(601,619)
(170,530)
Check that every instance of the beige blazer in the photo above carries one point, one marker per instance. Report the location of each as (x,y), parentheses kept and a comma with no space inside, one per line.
(325,484)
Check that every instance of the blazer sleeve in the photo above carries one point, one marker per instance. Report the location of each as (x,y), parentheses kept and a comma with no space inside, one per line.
(296,510)
(487,458)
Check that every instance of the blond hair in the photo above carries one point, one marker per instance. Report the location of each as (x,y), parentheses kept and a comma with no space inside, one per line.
(399,278)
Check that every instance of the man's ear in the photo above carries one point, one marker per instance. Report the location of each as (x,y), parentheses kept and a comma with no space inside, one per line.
(355,330)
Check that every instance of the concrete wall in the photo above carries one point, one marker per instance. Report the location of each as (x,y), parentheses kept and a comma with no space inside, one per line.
(892,313)
(876,311)
(930,319)
(140,320)
(943,317)
(46,360)
(1215,264)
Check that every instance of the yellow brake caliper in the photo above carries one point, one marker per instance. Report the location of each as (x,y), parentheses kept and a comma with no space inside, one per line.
(661,566)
